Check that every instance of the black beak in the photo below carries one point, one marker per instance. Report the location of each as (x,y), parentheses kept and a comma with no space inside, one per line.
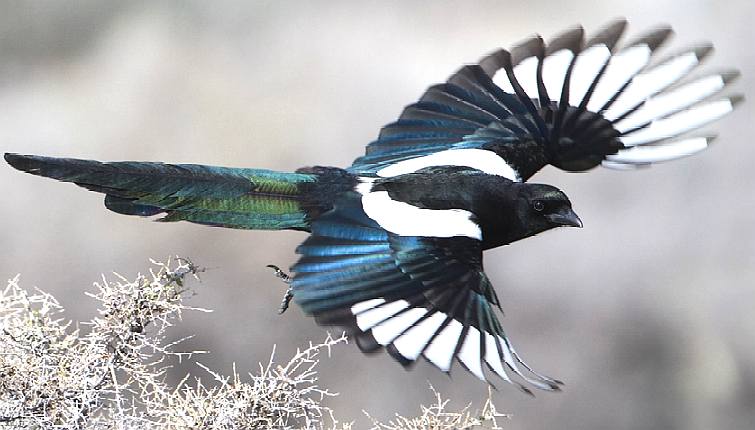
(565,217)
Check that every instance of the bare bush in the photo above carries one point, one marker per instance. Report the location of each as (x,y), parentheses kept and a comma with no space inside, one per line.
(110,373)
(436,417)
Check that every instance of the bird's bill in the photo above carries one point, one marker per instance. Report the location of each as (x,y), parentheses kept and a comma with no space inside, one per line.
(566,217)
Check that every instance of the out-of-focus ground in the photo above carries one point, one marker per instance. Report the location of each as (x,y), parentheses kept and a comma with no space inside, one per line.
(646,313)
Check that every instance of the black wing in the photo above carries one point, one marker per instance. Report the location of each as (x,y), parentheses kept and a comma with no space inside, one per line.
(571,103)
(415,296)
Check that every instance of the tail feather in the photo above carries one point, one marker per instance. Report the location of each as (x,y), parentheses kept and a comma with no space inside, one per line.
(220,196)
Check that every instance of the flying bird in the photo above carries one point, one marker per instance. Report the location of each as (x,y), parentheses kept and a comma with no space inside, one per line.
(395,252)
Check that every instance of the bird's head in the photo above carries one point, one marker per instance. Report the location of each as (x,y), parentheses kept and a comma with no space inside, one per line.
(542,207)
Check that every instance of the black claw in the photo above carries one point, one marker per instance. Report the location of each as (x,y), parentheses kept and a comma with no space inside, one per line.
(289,292)
(280,273)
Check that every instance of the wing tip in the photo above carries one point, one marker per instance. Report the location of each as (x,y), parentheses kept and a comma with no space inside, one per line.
(709,138)
(367,342)
(728,76)
(655,37)
(396,355)
(736,100)
(616,25)
(571,39)
(610,34)
(531,47)
(703,50)
(495,61)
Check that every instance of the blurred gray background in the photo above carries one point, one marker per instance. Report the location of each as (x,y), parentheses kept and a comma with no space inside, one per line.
(646,313)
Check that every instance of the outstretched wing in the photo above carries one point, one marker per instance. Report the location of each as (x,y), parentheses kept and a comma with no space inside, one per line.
(414,296)
(572,103)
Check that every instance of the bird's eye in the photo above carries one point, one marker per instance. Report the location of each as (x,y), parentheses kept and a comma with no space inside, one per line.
(538,205)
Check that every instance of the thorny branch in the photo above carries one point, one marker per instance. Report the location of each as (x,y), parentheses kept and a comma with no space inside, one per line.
(112,374)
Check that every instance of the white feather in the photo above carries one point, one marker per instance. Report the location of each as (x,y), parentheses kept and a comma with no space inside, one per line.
(480,159)
(679,123)
(507,357)
(469,354)
(512,361)
(659,153)
(412,342)
(526,75)
(501,78)
(620,70)
(442,348)
(555,67)
(493,358)
(388,330)
(586,69)
(672,101)
(368,319)
(619,166)
(647,84)
(367,304)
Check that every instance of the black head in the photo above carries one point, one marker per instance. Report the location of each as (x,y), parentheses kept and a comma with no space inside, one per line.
(543,207)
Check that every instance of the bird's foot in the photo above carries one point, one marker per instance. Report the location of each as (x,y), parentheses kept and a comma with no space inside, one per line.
(286,301)
(289,292)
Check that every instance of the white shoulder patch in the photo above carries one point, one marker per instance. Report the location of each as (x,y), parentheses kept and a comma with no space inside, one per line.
(404,219)
(480,159)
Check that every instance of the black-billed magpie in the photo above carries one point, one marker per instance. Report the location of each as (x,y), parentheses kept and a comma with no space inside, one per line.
(395,250)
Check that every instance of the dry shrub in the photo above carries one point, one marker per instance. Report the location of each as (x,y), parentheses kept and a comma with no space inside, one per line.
(110,374)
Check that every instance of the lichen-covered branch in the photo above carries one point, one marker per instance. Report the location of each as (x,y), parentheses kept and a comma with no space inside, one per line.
(438,417)
(110,372)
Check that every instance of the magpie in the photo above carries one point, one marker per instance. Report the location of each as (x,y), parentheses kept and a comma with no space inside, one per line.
(396,240)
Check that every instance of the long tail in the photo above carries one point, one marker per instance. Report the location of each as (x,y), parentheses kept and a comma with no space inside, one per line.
(218,196)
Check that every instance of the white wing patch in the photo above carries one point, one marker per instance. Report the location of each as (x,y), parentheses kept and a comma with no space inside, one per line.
(404,219)
(441,350)
(621,68)
(644,103)
(586,68)
(415,331)
(412,333)
(555,67)
(470,353)
(413,341)
(672,101)
(486,161)
(679,123)
(389,330)
(647,84)
(658,153)
(370,318)
(493,358)
(501,79)
(526,74)
(368,304)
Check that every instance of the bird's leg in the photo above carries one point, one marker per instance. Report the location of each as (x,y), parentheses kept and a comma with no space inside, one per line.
(289,292)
